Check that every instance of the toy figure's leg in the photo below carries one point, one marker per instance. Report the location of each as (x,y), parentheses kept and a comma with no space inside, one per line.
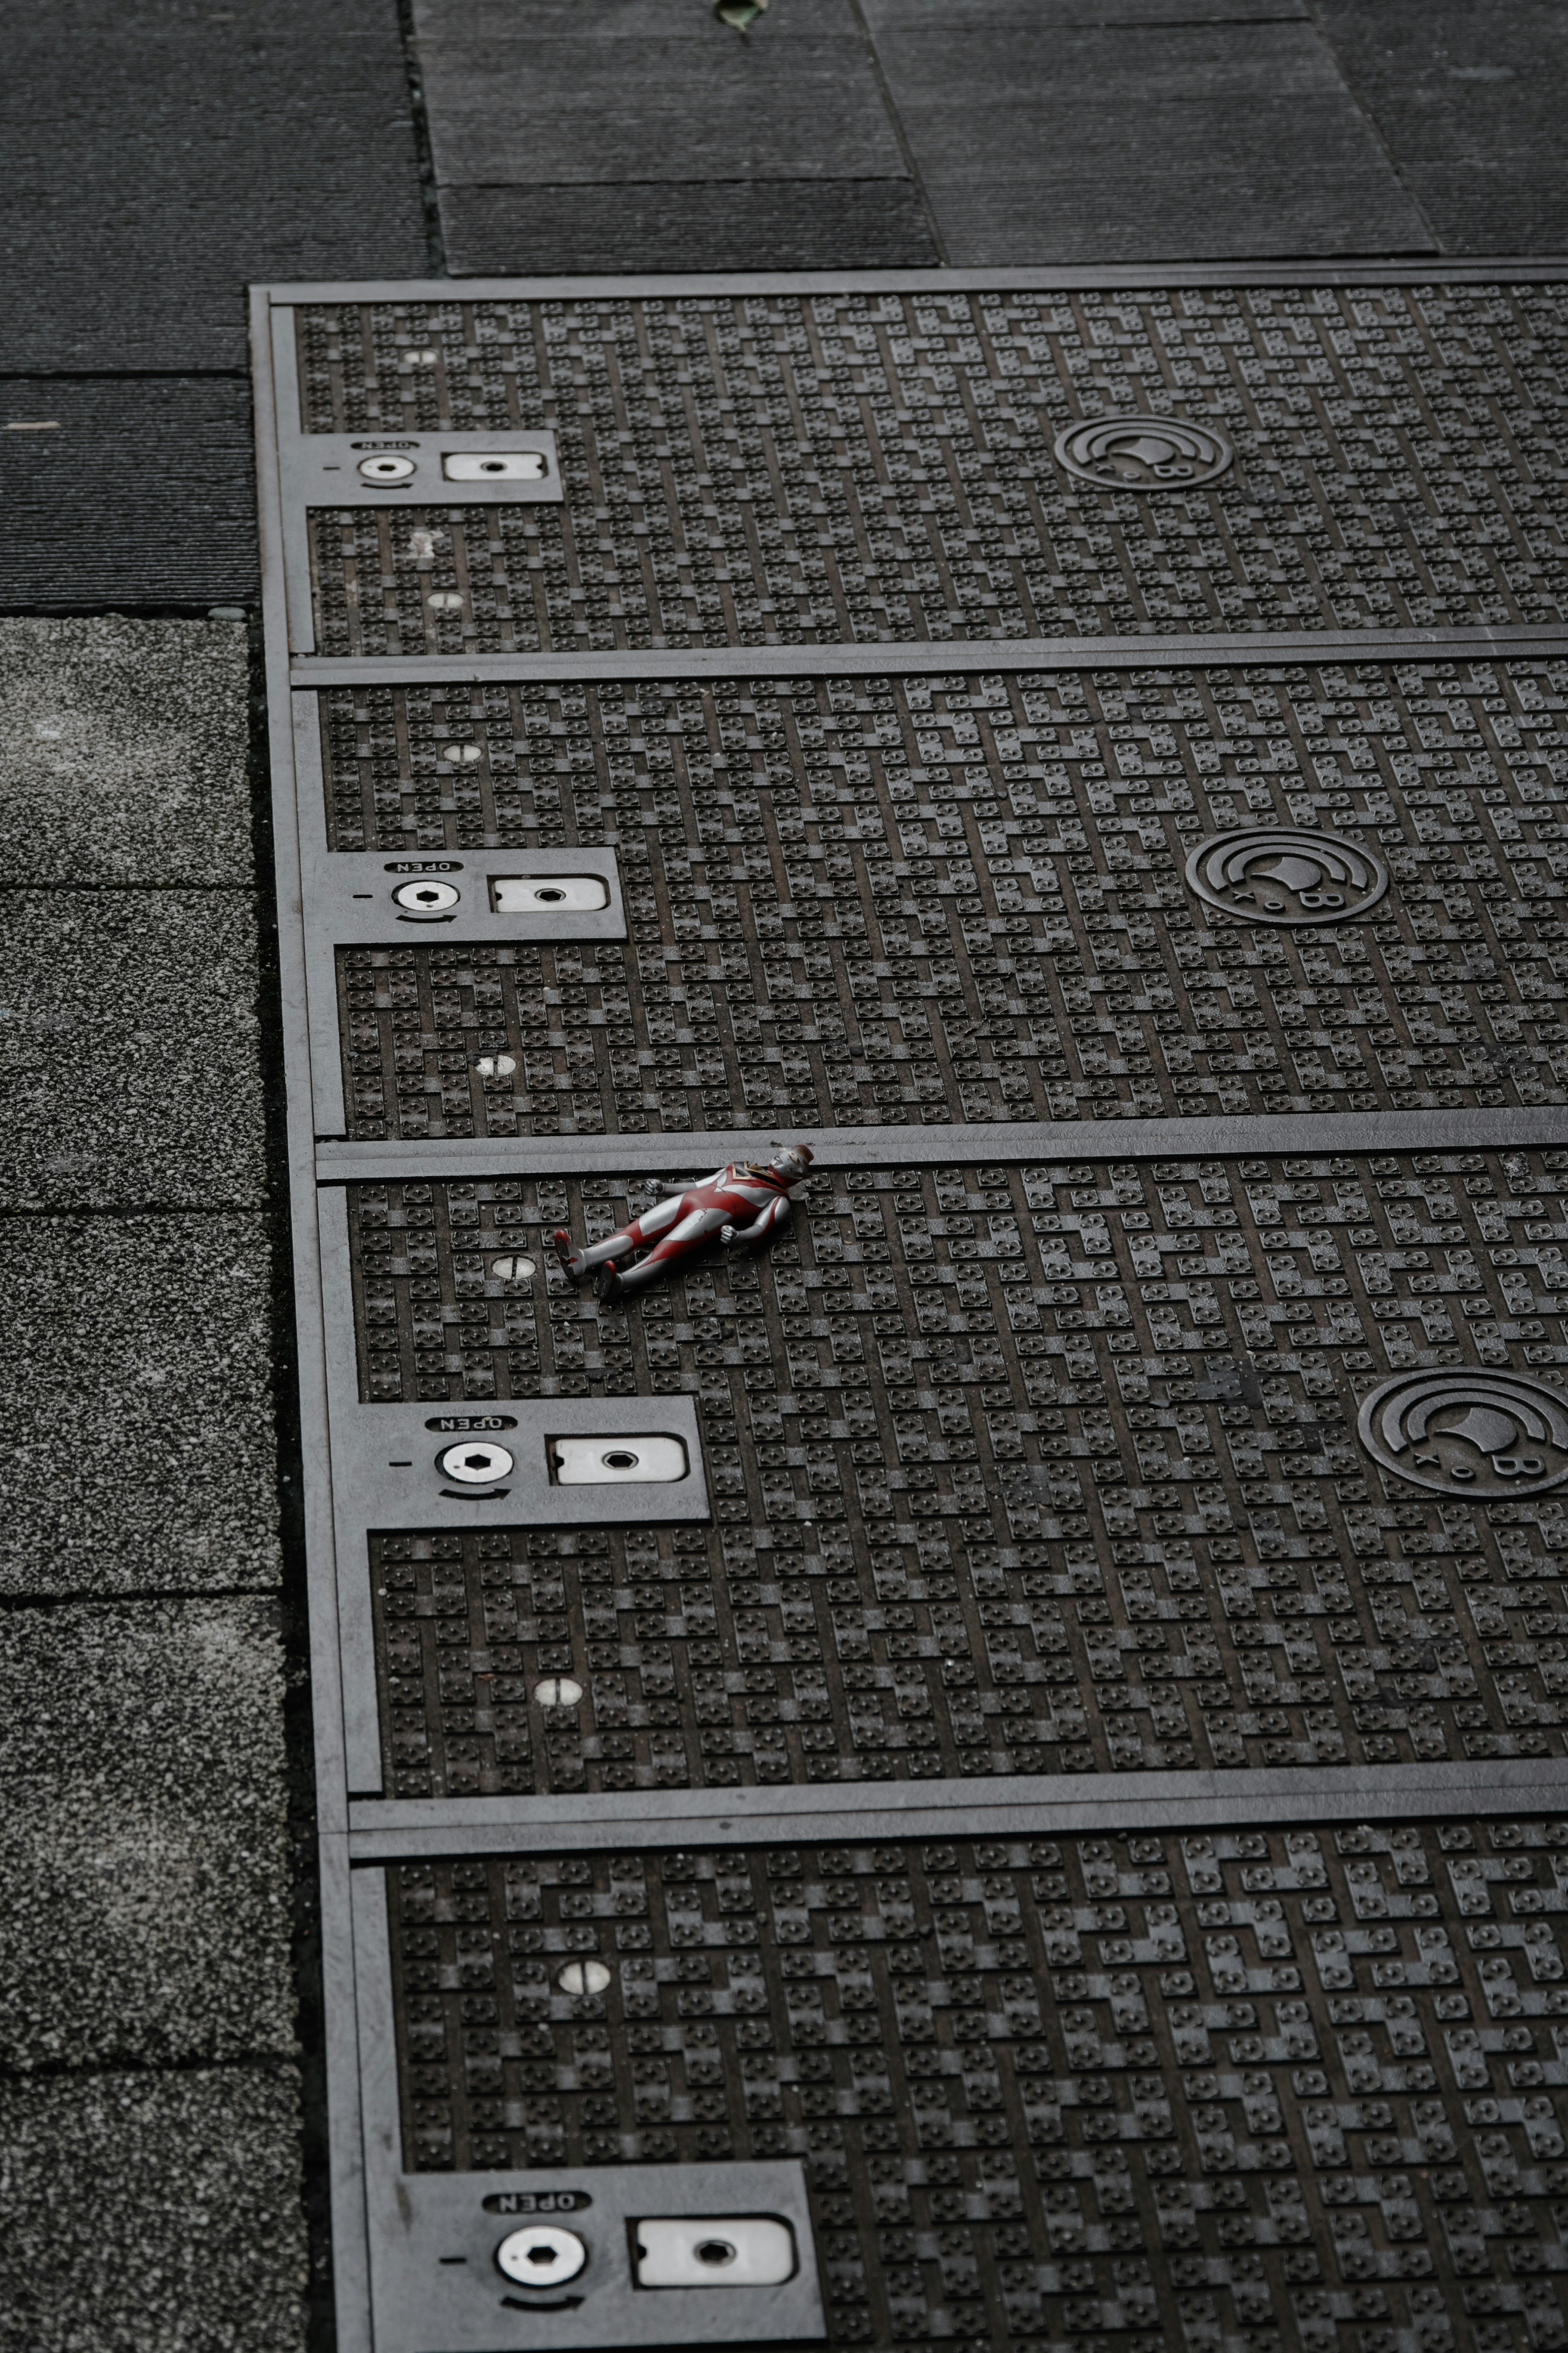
(692,1229)
(579,1263)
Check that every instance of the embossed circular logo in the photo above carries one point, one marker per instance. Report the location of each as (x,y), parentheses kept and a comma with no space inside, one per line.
(1286,874)
(1468,1432)
(1144,453)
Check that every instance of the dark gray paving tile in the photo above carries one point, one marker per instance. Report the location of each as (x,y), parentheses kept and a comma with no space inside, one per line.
(146,1871)
(1036,143)
(1469,102)
(520,97)
(154,2214)
(136,1407)
(966,16)
(123,751)
(136,491)
(768,225)
(160,157)
(128,1049)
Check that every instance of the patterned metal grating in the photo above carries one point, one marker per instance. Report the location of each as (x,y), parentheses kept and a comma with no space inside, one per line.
(779,469)
(967,898)
(1016,1470)
(1288,2089)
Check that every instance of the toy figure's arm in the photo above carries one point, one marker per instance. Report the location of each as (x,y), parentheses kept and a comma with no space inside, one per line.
(774,1213)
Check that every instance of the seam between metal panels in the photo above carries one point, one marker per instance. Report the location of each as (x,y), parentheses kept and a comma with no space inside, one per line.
(1290,1132)
(1046,1804)
(1437,270)
(1513,641)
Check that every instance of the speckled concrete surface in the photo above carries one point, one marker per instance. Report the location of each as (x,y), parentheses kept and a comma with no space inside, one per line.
(152,2213)
(123,751)
(130,1048)
(135,1401)
(143,1843)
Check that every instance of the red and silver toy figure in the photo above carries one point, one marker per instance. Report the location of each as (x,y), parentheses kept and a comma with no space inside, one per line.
(741,1206)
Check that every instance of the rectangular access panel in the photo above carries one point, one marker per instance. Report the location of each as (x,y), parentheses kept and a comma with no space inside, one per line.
(1282,2085)
(992,1774)
(937,462)
(1027,894)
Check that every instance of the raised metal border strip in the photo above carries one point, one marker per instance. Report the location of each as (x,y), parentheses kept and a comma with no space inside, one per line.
(1076,277)
(350,2246)
(1510,641)
(1020,1805)
(1287,1134)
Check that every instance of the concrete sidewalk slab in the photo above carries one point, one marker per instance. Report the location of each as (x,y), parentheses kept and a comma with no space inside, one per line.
(1470,104)
(661,225)
(1039,142)
(161,157)
(518,97)
(126,491)
(123,751)
(137,1400)
(144,1850)
(153,2213)
(129,1045)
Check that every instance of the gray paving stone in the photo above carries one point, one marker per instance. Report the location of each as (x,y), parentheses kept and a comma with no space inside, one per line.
(136,1402)
(1469,103)
(521,97)
(153,2214)
(129,1047)
(143,1848)
(767,225)
(123,751)
(160,157)
(137,491)
(1037,141)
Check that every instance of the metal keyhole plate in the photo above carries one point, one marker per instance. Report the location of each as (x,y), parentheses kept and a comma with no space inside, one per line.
(495,466)
(548,894)
(714,2251)
(612,1461)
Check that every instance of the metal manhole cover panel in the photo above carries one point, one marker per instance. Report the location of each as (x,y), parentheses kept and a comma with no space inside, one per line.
(1308,887)
(1302,2082)
(1015,1469)
(742,469)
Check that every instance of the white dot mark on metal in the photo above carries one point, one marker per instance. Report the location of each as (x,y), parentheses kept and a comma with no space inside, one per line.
(557,1691)
(513,1270)
(386,468)
(582,1977)
(496,1066)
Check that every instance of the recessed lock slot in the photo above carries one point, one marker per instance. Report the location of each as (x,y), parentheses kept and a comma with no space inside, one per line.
(386,468)
(548,894)
(425,897)
(614,1461)
(713,2251)
(540,2255)
(475,1462)
(495,465)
